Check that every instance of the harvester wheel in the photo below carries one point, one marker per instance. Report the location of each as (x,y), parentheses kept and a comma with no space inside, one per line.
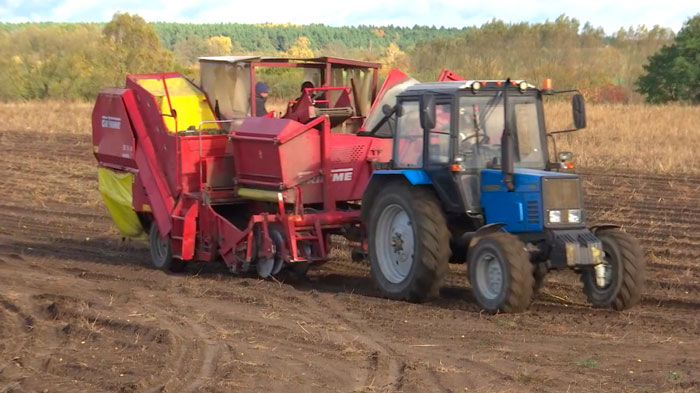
(162,253)
(300,269)
(500,273)
(271,266)
(409,243)
(624,272)
(280,248)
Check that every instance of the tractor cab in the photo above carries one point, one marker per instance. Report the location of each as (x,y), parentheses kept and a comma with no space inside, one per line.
(452,133)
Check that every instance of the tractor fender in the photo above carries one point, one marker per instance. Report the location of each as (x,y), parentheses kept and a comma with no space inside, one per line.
(380,178)
(376,184)
(472,237)
(596,228)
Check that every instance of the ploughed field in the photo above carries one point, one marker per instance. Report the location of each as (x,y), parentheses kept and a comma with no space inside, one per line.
(81,310)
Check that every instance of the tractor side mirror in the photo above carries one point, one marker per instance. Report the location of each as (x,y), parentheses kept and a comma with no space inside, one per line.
(427,111)
(387,109)
(578,107)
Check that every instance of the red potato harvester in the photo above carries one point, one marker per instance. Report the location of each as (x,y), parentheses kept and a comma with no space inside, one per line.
(206,181)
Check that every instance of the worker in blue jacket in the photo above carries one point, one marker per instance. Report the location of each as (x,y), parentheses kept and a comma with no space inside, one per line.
(260,99)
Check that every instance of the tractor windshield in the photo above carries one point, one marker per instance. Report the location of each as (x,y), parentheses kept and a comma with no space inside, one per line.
(481,127)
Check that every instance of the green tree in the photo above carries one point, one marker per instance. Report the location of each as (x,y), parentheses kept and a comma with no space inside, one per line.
(673,74)
(135,46)
(188,50)
(53,62)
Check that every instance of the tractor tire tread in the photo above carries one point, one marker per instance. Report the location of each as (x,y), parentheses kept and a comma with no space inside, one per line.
(633,267)
(520,292)
(433,237)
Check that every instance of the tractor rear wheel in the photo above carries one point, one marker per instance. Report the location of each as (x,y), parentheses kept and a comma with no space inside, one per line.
(624,272)
(162,253)
(409,243)
(500,273)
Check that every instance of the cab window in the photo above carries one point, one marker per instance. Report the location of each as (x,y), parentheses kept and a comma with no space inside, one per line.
(409,137)
(439,148)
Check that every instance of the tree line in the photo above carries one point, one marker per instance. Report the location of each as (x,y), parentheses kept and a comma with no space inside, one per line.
(75,60)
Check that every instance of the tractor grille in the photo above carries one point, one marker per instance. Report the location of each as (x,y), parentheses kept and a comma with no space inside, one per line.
(533,213)
(561,193)
(564,195)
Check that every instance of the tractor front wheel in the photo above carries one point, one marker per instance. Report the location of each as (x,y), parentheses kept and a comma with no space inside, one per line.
(409,243)
(623,271)
(501,274)
(162,253)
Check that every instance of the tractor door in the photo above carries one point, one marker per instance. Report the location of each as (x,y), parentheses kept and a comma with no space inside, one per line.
(438,153)
(408,142)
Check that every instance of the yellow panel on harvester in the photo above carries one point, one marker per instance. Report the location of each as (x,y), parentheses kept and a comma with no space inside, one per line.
(187,101)
(115,188)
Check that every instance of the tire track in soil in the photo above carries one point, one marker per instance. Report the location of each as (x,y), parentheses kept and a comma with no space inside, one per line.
(308,306)
(194,362)
(192,368)
(384,377)
(208,358)
(24,324)
(64,315)
(383,371)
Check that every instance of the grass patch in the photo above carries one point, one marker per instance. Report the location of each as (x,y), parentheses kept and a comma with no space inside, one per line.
(588,363)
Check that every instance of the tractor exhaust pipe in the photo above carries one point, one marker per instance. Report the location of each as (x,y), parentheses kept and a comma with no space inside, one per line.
(507,165)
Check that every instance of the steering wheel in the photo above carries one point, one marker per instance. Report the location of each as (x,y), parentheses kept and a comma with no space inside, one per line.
(486,152)
(482,138)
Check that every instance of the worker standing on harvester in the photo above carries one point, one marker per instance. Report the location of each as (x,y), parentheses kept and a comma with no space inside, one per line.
(313,96)
(260,99)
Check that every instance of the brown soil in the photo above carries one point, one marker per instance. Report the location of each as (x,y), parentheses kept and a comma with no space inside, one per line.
(81,310)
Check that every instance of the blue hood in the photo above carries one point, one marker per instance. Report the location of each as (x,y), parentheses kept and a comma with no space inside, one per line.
(520,210)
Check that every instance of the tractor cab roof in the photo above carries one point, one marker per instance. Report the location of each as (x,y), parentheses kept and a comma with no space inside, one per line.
(452,87)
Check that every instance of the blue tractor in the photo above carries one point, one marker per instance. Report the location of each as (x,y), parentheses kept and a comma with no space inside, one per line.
(471,181)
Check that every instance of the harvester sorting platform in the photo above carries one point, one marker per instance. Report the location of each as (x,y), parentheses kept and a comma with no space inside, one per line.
(418,174)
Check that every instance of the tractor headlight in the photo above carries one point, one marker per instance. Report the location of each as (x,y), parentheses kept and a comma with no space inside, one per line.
(555,216)
(574,216)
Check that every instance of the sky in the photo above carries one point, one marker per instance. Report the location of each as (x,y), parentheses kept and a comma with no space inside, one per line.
(611,15)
